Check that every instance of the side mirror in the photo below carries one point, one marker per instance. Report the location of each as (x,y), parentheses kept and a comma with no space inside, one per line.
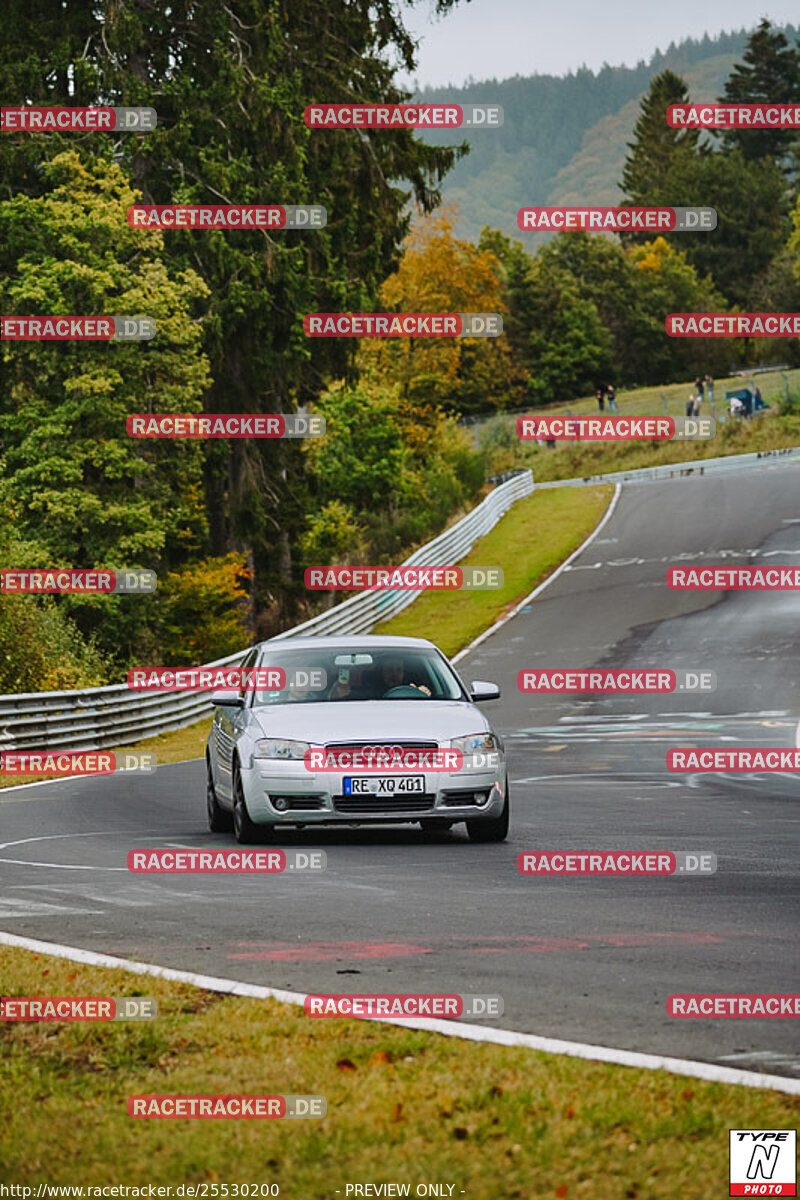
(227,697)
(479,690)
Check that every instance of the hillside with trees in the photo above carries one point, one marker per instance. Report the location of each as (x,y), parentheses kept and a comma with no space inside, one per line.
(564,139)
(230,525)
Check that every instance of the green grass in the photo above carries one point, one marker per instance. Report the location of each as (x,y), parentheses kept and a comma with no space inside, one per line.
(651,399)
(402,1105)
(580,459)
(572,460)
(176,746)
(531,540)
(179,744)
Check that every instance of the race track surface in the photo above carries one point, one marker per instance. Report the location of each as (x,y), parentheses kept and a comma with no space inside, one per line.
(590,960)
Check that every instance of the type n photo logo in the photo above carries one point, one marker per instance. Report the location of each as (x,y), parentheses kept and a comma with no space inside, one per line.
(763,1162)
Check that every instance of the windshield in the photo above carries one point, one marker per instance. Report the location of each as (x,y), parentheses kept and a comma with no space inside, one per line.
(314,676)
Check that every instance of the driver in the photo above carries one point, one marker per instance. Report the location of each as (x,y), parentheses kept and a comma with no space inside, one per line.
(393,675)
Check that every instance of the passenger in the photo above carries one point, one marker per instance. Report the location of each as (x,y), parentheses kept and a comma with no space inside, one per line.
(349,685)
(297,692)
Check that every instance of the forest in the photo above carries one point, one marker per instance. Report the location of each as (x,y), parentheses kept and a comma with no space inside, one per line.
(230,525)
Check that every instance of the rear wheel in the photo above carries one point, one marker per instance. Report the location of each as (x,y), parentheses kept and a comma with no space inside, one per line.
(495,829)
(219,820)
(245,831)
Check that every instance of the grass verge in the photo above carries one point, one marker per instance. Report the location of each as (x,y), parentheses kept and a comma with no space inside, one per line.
(531,540)
(775,429)
(581,459)
(176,746)
(403,1106)
(671,398)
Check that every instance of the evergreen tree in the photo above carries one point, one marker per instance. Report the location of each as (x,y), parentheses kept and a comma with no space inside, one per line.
(658,152)
(673,167)
(78,487)
(78,484)
(230,83)
(751,202)
(770,74)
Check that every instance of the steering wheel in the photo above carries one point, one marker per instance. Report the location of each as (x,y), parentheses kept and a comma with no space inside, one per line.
(404,692)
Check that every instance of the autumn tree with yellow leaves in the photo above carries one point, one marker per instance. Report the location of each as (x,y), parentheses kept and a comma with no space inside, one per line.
(439,273)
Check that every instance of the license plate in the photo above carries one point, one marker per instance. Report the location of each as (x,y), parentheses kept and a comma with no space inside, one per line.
(382,785)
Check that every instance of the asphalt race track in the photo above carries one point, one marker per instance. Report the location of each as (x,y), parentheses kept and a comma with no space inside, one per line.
(590,960)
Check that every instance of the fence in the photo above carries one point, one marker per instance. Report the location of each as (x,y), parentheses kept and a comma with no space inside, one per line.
(680,470)
(94,718)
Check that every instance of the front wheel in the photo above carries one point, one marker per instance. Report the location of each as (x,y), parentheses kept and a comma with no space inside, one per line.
(495,829)
(245,831)
(219,820)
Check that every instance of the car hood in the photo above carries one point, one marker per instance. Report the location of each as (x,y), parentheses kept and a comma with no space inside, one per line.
(369,720)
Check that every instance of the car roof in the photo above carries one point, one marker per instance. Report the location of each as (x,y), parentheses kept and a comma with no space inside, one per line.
(357,641)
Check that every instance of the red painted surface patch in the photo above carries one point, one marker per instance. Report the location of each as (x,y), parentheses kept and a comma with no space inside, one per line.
(549,945)
(328,951)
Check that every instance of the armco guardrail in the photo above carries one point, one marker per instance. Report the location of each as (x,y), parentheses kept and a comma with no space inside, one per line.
(94,718)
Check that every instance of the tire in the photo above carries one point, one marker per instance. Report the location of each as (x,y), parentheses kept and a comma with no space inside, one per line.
(493,830)
(245,832)
(219,819)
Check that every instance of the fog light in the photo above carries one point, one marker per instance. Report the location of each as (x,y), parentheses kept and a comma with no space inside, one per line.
(480,798)
(281,803)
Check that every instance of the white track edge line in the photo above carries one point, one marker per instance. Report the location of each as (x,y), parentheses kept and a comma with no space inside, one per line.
(709,1072)
(550,578)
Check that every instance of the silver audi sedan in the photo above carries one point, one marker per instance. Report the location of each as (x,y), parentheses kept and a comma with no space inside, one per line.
(354,731)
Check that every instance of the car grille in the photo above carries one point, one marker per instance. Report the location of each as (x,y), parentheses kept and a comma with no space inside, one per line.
(295,803)
(384,806)
(372,806)
(382,744)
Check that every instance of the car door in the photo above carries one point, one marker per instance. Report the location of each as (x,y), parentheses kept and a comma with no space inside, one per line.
(228,724)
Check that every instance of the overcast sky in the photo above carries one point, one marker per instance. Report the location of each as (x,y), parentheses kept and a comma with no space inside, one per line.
(499,38)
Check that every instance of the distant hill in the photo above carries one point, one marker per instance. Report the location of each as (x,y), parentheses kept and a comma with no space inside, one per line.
(564,139)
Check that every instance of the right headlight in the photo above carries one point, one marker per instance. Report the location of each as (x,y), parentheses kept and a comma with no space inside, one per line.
(280,748)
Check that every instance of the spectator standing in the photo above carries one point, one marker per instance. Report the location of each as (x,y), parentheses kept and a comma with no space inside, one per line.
(612,398)
(690,405)
(710,390)
(599,397)
(698,400)
(698,386)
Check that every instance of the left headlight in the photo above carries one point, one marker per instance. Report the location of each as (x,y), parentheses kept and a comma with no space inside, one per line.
(476,743)
(281,748)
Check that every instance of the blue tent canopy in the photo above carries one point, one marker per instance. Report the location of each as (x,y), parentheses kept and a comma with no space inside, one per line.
(751,402)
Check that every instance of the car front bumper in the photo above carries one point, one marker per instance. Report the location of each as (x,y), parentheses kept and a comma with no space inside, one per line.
(317,798)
